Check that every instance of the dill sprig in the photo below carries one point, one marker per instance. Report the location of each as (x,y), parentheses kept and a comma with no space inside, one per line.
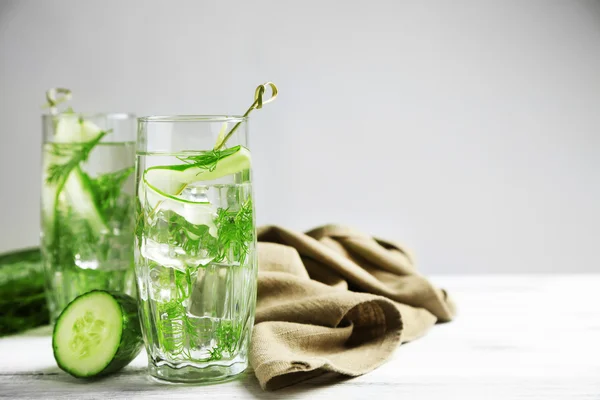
(205,161)
(76,152)
(208,160)
(228,338)
(108,193)
(235,232)
(178,333)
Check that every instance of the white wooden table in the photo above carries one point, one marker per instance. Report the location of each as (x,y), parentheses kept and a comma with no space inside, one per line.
(516,337)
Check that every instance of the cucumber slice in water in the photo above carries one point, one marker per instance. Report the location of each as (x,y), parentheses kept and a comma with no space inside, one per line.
(70,129)
(77,188)
(96,334)
(170,180)
(162,185)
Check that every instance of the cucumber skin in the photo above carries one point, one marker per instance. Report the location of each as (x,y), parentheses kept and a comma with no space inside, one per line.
(131,336)
(31,254)
(22,294)
(132,341)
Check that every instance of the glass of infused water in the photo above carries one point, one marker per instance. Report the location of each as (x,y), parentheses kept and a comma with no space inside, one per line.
(87,205)
(195,246)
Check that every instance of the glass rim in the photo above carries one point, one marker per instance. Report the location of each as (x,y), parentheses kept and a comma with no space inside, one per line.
(193,118)
(109,115)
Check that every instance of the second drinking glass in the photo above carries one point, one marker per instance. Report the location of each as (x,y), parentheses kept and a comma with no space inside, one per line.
(195,246)
(87,205)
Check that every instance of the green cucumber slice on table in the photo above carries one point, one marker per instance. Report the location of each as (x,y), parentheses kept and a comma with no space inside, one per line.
(96,334)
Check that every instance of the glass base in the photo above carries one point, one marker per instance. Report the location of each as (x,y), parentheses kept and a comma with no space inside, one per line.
(165,372)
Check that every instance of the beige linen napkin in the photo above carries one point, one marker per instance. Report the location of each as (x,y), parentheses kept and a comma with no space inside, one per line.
(334,299)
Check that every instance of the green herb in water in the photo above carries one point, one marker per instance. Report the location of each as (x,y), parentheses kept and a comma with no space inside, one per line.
(77,153)
(235,231)
(228,338)
(177,331)
(208,160)
(108,194)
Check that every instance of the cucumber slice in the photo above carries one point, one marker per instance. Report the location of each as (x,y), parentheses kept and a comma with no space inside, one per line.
(77,188)
(170,180)
(196,213)
(80,196)
(70,129)
(161,186)
(79,191)
(96,334)
(221,136)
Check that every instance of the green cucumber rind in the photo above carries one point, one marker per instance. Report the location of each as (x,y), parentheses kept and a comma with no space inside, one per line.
(20,272)
(22,294)
(130,343)
(31,255)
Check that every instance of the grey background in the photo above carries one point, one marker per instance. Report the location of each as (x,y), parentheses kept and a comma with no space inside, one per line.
(469,130)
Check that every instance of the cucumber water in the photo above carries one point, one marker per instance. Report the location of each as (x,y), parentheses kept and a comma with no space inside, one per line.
(196,262)
(195,240)
(87,209)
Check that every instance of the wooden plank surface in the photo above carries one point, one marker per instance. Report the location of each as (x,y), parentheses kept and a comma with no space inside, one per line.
(516,337)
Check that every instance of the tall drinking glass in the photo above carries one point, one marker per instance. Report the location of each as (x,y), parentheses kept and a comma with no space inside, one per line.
(195,246)
(87,205)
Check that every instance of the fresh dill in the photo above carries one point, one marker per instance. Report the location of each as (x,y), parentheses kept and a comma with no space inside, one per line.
(171,326)
(177,332)
(228,338)
(76,153)
(208,160)
(235,232)
(108,194)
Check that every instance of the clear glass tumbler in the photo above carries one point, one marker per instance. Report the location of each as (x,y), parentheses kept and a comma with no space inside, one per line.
(195,254)
(87,205)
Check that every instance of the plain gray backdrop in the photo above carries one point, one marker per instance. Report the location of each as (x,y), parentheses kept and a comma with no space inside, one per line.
(468,130)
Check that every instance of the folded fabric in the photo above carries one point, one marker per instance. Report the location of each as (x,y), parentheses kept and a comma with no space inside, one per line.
(335,300)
